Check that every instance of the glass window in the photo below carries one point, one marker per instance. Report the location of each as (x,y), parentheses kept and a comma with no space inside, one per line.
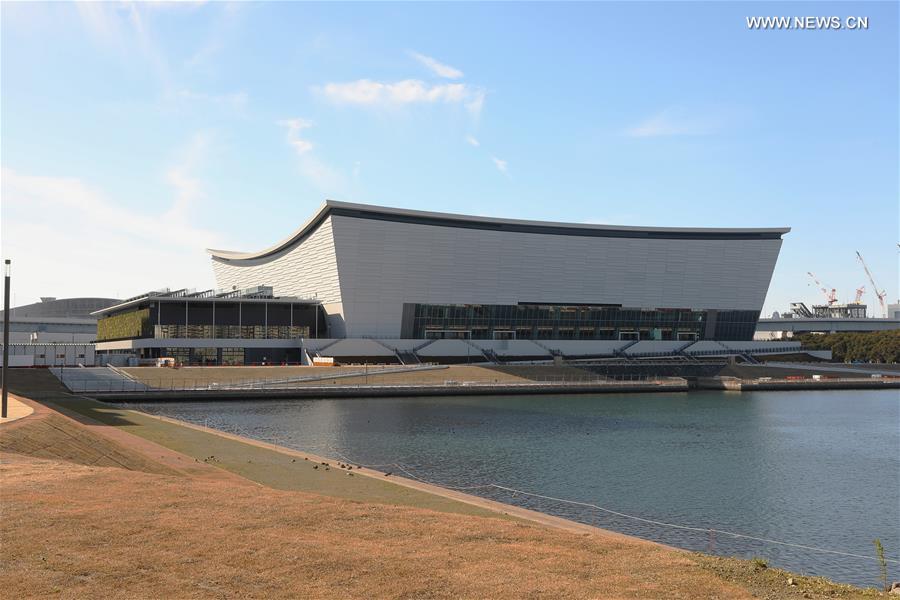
(578,322)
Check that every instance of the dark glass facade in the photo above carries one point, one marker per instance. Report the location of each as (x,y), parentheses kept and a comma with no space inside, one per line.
(225,356)
(574,321)
(220,319)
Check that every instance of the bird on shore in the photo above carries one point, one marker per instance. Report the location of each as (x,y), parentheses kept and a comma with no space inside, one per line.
(388,474)
(315,466)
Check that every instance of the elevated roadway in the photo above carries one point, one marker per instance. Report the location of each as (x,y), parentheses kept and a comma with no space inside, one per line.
(819,325)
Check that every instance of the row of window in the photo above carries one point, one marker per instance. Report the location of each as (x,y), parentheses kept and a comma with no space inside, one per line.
(232,356)
(272,332)
(562,333)
(205,356)
(230,320)
(575,323)
(551,313)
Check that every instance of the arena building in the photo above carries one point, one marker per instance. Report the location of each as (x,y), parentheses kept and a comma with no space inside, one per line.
(54,332)
(394,273)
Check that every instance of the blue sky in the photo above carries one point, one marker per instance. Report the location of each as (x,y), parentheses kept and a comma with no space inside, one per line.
(135,135)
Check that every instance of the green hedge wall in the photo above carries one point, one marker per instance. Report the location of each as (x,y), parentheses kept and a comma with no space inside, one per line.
(133,324)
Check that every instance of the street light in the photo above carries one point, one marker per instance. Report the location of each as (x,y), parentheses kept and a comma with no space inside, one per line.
(3,405)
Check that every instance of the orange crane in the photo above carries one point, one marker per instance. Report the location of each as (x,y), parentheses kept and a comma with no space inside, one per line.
(880,295)
(830,297)
(859,294)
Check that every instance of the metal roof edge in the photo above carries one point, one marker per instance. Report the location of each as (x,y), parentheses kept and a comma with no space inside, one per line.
(330,205)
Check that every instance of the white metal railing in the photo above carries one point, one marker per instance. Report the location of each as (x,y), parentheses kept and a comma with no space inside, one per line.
(150,387)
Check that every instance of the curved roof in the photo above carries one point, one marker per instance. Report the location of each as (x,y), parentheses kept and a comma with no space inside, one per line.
(78,308)
(402,215)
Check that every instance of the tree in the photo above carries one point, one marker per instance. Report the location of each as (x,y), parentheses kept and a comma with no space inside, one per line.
(875,346)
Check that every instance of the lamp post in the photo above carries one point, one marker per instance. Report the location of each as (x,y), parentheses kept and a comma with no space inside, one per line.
(5,391)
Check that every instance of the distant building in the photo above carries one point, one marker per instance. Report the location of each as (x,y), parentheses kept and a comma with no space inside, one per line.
(392,273)
(770,329)
(850,310)
(894,311)
(54,332)
(825,318)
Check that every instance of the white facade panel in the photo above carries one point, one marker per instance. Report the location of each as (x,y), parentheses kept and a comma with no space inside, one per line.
(383,264)
(574,348)
(305,270)
(366,262)
(512,348)
(359,347)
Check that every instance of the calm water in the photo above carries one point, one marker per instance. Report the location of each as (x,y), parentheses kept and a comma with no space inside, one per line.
(814,468)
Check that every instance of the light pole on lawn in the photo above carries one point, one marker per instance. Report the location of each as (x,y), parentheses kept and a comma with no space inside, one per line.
(318,307)
(3,408)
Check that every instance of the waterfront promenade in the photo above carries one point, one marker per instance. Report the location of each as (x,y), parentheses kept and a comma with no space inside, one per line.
(138,384)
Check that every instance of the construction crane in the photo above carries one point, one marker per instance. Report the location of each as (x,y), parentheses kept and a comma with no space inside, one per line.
(830,297)
(859,294)
(880,295)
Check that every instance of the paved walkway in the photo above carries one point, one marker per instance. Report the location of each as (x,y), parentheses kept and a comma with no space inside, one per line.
(15,410)
(96,379)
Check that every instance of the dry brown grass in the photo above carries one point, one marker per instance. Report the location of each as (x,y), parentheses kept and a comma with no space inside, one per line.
(148,535)
(772,584)
(48,434)
(547,372)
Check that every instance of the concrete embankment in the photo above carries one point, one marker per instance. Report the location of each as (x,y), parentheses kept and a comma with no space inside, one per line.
(770,384)
(393,391)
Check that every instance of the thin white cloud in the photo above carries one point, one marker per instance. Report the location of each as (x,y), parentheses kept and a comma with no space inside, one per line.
(219,32)
(183,179)
(673,122)
(324,177)
(500,164)
(235,100)
(166,244)
(100,21)
(294,127)
(475,105)
(438,68)
(128,29)
(369,93)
